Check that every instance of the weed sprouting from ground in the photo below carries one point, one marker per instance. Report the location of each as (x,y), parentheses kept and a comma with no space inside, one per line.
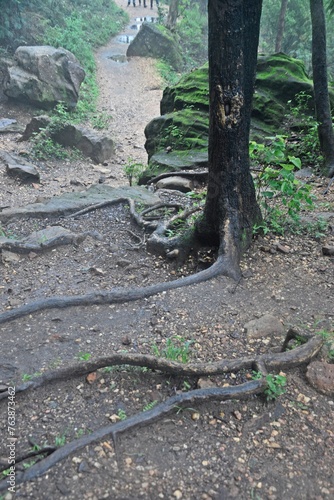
(176,349)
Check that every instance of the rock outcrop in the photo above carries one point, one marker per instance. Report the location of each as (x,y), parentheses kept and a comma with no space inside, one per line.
(90,143)
(44,76)
(183,126)
(158,42)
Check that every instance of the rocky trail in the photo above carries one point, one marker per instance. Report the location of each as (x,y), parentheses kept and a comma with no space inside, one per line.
(233,444)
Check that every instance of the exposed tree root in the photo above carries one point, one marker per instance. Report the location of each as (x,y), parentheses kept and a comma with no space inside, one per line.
(269,362)
(139,420)
(157,243)
(264,364)
(119,295)
(102,204)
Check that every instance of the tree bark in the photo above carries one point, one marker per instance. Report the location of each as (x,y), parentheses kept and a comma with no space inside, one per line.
(173,13)
(320,82)
(280,26)
(231,208)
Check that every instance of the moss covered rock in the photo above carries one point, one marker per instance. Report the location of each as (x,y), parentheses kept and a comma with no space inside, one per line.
(156,41)
(184,121)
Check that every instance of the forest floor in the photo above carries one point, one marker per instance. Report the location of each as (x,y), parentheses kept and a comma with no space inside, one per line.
(248,449)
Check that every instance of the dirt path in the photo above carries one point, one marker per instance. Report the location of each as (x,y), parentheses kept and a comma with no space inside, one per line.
(244,450)
(130,91)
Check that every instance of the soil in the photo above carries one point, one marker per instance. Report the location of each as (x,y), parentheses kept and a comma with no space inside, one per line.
(249,449)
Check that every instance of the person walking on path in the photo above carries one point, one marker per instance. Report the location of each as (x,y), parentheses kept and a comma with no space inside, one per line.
(157,3)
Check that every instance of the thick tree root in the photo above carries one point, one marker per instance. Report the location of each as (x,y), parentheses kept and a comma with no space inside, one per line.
(144,418)
(267,362)
(119,295)
(264,364)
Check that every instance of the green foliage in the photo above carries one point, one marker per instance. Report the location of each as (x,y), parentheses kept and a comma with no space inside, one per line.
(192,30)
(26,376)
(84,356)
(121,414)
(179,351)
(317,229)
(76,25)
(44,147)
(100,120)
(280,194)
(150,405)
(133,169)
(176,138)
(329,342)
(275,385)
(307,147)
(167,73)
(60,440)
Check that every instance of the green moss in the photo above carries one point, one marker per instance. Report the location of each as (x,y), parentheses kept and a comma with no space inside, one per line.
(184,124)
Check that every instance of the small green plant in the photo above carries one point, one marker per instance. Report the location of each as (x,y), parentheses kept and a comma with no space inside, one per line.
(132,170)
(318,228)
(26,376)
(280,194)
(168,74)
(329,342)
(176,227)
(27,465)
(197,195)
(307,147)
(186,385)
(36,447)
(275,385)
(6,234)
(121,414)
(173,351)
(84,356)
(100,120)
(6,472)
(296,342)
(79,433)
(109,369)
(60,440)
(150,405)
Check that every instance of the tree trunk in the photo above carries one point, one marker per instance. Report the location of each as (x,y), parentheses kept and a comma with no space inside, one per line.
(280,26)
(231,208)
(320,82)
(173,13)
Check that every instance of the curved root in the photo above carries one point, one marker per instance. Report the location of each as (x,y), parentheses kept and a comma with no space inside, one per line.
(263,363)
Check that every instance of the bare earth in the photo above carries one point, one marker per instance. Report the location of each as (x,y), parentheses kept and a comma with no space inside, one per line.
(250,449)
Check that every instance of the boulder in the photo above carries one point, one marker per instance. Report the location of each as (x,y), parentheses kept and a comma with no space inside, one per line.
(92,144)
(44,76)
(177,183)
(17,166)
(158,42)
(321,376)
(184,121)
(266,325)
